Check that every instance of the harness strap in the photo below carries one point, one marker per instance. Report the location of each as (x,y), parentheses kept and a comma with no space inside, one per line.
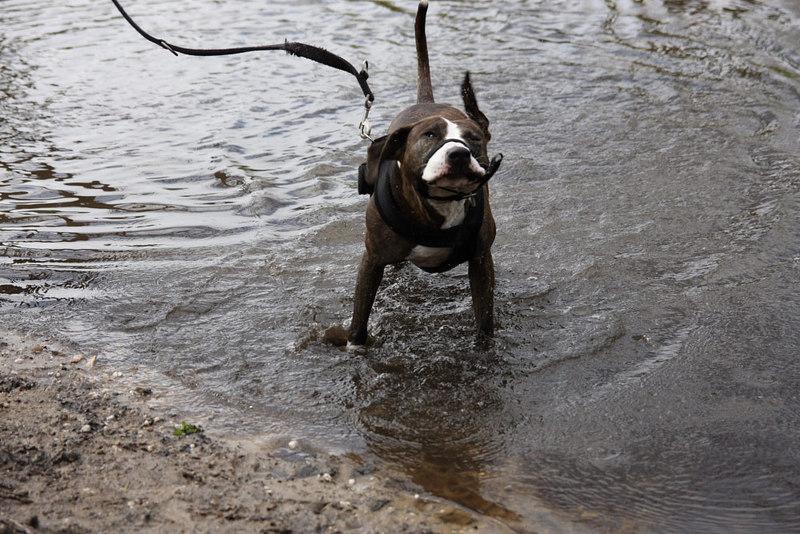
(462,238)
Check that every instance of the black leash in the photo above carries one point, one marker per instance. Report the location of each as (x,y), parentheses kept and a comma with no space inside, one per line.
(314,53)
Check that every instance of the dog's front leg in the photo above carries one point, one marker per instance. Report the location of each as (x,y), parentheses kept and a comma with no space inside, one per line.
(481,282)
(370,274)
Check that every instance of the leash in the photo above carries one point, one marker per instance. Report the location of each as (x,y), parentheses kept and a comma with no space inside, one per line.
(314,53)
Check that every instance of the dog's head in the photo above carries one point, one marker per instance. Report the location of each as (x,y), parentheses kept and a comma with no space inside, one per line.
(446,152)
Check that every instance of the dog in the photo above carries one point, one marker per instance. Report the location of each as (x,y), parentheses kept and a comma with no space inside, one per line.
(429,199)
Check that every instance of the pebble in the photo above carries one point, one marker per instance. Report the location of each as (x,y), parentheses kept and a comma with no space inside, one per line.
(293,444)
(76,359)
(86,428)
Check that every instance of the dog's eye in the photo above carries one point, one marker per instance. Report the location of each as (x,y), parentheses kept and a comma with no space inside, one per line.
(430,134)
(474,138)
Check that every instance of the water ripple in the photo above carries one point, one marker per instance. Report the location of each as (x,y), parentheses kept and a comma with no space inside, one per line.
(198,218)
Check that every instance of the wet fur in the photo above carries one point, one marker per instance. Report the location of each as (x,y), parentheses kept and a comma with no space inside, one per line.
(405,138)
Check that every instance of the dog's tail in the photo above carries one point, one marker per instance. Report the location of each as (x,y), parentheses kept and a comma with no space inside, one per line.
(424,86)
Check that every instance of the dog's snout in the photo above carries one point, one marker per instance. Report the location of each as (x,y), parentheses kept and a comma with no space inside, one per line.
(458,155)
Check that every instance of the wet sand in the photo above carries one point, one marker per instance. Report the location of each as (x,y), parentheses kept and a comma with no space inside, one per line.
(81,451)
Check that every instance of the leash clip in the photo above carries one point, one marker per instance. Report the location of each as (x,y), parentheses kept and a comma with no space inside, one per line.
(364,126)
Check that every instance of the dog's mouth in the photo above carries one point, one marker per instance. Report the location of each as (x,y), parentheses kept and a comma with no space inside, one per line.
(454,182)
(451,171)
(454,169)
(457,180)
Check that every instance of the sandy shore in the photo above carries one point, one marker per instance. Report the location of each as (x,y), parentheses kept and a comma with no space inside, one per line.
(83,452)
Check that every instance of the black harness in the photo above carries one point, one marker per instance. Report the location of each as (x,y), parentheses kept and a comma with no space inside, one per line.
(462,238)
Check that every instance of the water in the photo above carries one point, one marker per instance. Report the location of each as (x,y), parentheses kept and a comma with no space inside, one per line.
(197,218)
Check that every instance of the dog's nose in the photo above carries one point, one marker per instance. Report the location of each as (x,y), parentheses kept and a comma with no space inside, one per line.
(458,156)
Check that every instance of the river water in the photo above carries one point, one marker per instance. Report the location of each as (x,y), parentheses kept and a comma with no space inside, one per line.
(197,219)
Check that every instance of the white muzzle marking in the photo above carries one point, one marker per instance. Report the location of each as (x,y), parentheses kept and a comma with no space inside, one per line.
(438,165)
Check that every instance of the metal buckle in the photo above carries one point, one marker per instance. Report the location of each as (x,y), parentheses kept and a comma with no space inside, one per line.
(364,127)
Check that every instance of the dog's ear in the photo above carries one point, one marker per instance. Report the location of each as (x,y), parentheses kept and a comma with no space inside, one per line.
(385,148)
(395,145)
(471,106)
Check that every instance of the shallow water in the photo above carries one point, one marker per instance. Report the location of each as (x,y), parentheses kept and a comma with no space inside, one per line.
(198,218)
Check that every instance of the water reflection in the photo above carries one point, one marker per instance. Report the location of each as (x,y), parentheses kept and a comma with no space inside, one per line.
(438,419)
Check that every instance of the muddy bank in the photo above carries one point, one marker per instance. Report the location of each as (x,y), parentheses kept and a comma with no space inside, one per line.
(81,451)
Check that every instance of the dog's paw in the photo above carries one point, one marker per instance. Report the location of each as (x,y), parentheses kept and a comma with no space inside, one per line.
(355,348)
